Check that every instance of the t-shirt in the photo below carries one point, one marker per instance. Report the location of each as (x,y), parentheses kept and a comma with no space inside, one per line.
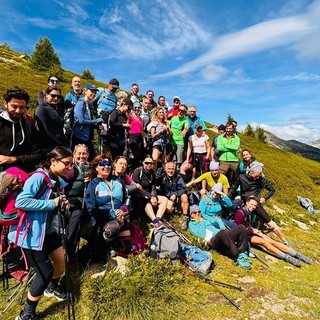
(211,182)
(199,144)
(177,124)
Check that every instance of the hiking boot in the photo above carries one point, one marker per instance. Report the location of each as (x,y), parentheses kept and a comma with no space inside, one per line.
(27,316)
(293,261)
(56,292)
(303,258)
(185,223)
(243,261)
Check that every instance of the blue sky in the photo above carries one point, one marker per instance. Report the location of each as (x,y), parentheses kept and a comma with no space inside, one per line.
(257,60)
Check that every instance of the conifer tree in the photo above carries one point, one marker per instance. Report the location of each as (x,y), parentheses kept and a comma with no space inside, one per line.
(249,131)
(44,57)
(86,74)
(260,134)
(229,118)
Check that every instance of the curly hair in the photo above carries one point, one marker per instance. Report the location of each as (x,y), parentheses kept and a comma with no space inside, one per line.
(16,93)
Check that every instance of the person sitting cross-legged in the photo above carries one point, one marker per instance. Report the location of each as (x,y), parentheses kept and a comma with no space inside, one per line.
(173,187)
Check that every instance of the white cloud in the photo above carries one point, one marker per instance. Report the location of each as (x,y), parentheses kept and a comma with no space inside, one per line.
(263,36)
(213,73)
(297,132)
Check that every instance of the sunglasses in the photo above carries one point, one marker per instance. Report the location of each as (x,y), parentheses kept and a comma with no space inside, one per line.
(148,163)
(54,81)
(182,110)
(67,164)
(104,163)
(196,212)
(55,96)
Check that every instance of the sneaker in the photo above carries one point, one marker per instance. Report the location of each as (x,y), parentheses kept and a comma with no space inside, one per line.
(26,316)
(293,261)
(56,292)
(303,258)
(243,261)
(185,223)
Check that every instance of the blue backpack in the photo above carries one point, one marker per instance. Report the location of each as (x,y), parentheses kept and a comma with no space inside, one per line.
(196,259)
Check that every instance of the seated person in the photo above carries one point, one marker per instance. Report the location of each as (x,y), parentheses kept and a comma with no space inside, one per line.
(105,204)
(147,199)
(231,242)
(209,179)
(256,237)
(173,187)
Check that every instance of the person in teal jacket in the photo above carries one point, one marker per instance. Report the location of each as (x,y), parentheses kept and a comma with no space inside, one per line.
(206,223)
(40,243)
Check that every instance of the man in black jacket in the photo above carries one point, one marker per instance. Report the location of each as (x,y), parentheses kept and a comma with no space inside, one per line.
(172,186)
(17,134)
(252,184)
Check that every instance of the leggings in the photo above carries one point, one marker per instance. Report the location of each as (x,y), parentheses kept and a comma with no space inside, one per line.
(39,260)
(233,241)
(262,214)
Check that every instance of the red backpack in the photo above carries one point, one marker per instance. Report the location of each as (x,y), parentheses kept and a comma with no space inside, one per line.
(11,184)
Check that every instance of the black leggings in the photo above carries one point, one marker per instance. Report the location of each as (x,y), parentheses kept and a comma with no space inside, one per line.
(262,214)
(40,262)
(233,241)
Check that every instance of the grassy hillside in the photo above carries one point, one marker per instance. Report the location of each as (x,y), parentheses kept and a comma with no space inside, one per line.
(157,290)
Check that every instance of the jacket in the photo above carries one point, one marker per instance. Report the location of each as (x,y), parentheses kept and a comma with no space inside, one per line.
(83,121)
(169,186)
(17,139)
(39,213)
(250,187)
(228,149)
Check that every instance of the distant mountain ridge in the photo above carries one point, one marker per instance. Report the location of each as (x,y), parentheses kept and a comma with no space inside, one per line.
(305,150)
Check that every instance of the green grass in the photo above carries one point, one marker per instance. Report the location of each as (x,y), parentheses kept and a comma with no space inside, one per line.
(158,290)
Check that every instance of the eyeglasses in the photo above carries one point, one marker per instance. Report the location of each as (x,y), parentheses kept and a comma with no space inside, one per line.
(54,81)
(55,96)
(104,163)
(67,164)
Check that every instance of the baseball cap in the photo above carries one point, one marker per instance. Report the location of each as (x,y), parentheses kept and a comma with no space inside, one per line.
(90,86)
(114,83)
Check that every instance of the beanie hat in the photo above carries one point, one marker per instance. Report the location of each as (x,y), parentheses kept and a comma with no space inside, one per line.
(256,166)
(214,165)
(194,208)
(217,187)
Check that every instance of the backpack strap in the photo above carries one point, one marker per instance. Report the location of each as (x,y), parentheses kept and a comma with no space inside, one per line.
(46,183)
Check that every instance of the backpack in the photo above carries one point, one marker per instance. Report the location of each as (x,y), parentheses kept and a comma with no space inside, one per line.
(165,242)
(196,259)
(138,242)
(12,181)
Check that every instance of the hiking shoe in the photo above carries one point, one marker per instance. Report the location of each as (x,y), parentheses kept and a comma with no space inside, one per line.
(157,223)
(27,316)
(293,261)
(243,261)
(56,292)
(303,258)
(185,223)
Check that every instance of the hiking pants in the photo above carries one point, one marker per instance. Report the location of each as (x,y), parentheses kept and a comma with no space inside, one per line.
(231,241)
(262,214)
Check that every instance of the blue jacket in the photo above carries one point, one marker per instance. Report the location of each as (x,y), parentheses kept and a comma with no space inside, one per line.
(83,121)
(39,213)
(72,98)
(102,202)
(106,100)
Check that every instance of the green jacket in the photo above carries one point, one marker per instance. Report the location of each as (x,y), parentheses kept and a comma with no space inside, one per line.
(228,148)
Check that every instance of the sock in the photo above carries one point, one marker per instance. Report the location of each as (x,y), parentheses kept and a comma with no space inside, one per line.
(292,252)
(282,255)
(53,283)
(30,307)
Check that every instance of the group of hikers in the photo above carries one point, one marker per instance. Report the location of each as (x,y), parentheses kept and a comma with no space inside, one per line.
(151,161)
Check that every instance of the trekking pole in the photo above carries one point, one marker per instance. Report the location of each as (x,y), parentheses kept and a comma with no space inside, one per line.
(178,233)
(258,257)
(63,210)
(5,268)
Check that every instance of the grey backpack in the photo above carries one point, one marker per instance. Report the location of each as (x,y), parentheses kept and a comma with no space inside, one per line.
(165,242)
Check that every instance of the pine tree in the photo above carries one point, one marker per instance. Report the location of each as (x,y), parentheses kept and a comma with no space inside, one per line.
(44,57)
(86,74)
(260,134)
(229,118)
(249,131)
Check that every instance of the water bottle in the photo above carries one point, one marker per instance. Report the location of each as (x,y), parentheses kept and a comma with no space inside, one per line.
(153,250)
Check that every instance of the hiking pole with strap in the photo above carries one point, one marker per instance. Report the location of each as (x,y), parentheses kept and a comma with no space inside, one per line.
(63,210)
(255,255)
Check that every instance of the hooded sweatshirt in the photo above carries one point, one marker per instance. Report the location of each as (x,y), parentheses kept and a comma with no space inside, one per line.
(16,139)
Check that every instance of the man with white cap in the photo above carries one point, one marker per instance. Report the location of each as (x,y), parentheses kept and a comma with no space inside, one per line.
(174,111)
(209,179)
(252,184)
